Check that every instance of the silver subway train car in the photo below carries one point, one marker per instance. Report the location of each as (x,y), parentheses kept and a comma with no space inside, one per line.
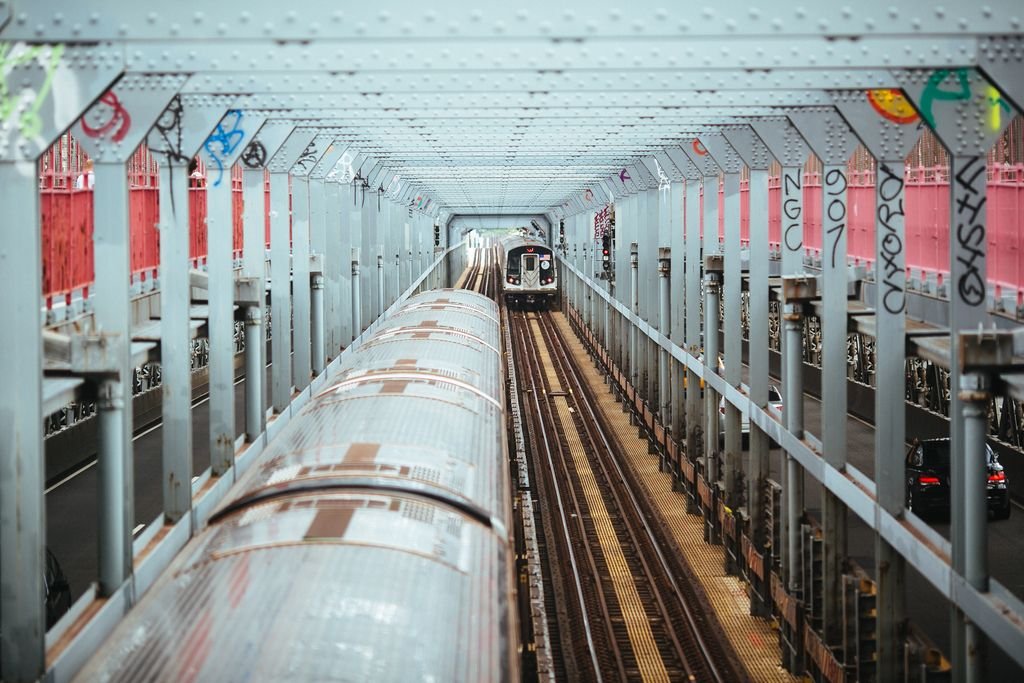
(369,542)
(529,272)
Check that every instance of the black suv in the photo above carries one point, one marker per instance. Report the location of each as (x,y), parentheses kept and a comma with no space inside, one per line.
(927,479)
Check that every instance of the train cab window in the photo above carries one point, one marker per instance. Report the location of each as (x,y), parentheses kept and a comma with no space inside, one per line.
(531,264)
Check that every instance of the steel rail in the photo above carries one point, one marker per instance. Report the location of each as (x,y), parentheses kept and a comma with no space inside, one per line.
(542,443)
(707,652)
(595,433)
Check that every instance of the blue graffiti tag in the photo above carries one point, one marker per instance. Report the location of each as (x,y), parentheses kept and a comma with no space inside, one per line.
(227,140)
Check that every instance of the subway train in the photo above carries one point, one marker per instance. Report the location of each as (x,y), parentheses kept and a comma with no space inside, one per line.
(370,541)
(529,272)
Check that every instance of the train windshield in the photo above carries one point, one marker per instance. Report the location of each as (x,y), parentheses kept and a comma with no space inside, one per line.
(514,261)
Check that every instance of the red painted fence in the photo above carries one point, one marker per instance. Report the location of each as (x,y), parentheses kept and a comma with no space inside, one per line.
(66,200)
(67,219)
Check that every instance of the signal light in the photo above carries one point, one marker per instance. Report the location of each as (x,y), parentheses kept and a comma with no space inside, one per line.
(927,480)
(606,252)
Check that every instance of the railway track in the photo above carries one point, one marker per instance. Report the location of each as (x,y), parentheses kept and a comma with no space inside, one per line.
(622,613)
(481,273)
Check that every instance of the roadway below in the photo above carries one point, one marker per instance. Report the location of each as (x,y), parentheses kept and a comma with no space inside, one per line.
(71,504)
(925,606)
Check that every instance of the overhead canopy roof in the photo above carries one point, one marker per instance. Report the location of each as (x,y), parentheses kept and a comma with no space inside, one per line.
(528,107)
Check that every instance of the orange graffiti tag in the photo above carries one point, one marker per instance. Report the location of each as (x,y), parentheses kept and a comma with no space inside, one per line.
(892,105)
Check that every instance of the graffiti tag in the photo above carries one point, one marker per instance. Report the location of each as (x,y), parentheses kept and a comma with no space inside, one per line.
(307,160)
(969,189)
(792,209)
(699,149)
(254,155)
(890,104)
(29,123)
(222,143)
(624,175)
(117,118)
(934,91)
(890,251)
(835,188)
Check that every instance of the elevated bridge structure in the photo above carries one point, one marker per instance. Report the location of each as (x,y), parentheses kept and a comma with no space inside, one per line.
(368,137)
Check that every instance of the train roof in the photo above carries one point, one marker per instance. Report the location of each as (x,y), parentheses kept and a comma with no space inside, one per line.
(513,241)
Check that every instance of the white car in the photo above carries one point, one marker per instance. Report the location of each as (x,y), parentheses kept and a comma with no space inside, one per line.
(774,400)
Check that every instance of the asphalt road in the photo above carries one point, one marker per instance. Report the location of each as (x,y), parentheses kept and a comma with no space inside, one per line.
(71,505)
(925,606)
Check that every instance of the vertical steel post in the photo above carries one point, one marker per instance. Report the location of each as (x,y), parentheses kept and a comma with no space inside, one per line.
(758,345)
(732,336)
(301,293)
(975,396)
(693,319)
(381,305)
(664,325)
(834,334)
(255,339)
(890,419)
(22,472)
(793,297)
(712,284)
(220,300)
(254,266)
(317,322)
(175,341)
(280,293)
(634,306)
(357,322)
(113,316)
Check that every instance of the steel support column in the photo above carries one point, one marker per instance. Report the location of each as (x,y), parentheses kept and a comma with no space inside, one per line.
(357,321)
(113,316)
(381,293)
(712,300)
(22,457)
(175,340)
(220,301)
(756,156)
(301,293)
(280,293)
(693,266)
(796,290)
(634,307)
(253,265)
(664,318)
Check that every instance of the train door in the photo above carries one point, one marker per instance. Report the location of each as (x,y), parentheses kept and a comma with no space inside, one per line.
(531,272)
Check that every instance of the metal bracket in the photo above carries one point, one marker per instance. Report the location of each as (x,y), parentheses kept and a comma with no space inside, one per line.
(748,146)
(722,152)
(184,125)
(45,88)
(249,291)
(967,113)
(701,158)
(115,125)
(228,141)
(882,119)
(826,133)
(782,139)
(799,289)
(298,144)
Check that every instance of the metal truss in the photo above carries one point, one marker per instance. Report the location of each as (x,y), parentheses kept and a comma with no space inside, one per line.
(389,121)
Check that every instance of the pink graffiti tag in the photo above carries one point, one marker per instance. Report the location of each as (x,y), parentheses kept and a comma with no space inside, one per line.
(698,147)
(118,115)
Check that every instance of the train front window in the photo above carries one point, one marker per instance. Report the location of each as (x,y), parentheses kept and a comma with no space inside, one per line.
(531,263)
(512,267)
